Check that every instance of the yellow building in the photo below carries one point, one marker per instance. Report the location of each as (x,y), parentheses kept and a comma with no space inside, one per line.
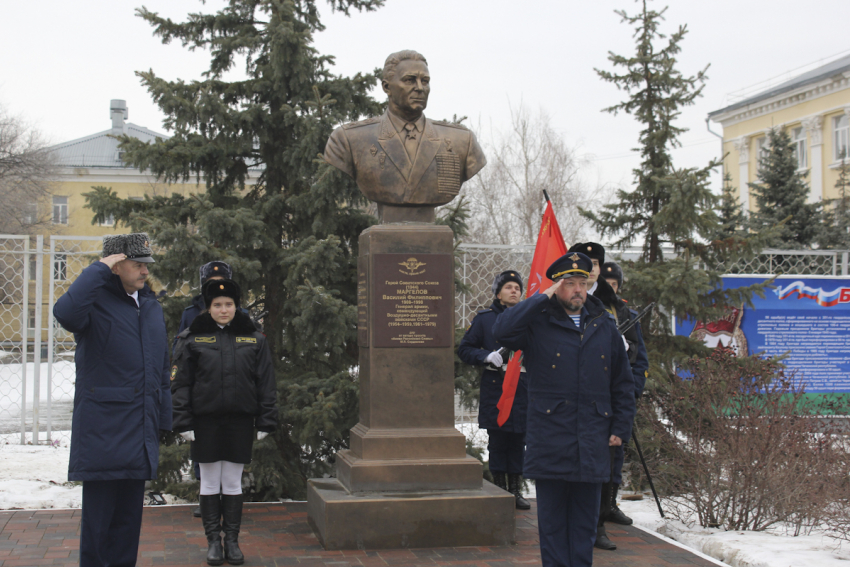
(813,108)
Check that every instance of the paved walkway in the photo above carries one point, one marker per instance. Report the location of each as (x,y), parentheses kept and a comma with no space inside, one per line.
(277,535)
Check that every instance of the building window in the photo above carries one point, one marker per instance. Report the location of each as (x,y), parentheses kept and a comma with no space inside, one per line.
(31,318)
(60,267)
(60,210)
(108,221)
(799,139)
(841,141)
(33,266)
(30,214)
(761,150)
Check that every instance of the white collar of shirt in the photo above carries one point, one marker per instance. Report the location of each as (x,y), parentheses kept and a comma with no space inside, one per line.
(221,326)
(135,296)
(591,290)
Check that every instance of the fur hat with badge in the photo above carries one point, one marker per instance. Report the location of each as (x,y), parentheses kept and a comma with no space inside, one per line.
(592,250)
(505,277)
(613,271)
(215,268)
(136,246)
(221,288)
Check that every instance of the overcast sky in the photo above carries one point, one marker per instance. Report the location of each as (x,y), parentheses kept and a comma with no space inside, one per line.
(62,62)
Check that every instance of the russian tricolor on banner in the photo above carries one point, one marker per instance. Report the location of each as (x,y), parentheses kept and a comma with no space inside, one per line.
(550,246)
(823,298)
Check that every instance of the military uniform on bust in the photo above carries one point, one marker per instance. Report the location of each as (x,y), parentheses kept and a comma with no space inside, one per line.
(506,443)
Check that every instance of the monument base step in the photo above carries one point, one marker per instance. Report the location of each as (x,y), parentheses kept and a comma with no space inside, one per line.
(394,475)
(392,520)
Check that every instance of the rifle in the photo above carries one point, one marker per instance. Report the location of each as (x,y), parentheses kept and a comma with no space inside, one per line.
(626,325)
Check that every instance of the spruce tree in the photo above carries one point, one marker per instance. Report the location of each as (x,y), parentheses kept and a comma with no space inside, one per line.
(290,233)
(834,232)
(732,218)
(781,194)
(668,210)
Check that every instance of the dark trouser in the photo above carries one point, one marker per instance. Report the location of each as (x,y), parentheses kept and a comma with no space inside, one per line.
(567,513)
(111,522)
(506,451)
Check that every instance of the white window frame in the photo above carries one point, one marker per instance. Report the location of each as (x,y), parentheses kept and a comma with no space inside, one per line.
(798,135)
(60,267)
(30,213)
(762,148)
(60,210)
(840,136)
(108,221)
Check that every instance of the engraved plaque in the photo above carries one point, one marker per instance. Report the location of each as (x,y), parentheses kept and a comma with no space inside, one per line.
(412,300)
(362,301)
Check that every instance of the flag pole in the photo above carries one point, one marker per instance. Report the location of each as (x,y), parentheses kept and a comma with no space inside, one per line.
(545,194)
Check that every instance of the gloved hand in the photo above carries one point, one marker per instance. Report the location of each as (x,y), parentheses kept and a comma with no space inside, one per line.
(262,435)
(625,342)
(188,435)
(495,359)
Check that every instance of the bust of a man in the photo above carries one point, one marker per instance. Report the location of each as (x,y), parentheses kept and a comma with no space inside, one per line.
(403,161)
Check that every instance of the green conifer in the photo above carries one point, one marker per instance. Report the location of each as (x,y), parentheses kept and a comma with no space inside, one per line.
(835,229)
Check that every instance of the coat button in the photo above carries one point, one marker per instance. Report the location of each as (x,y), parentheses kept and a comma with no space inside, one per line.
(557,354)
(606,413)
(603,356)
(548,411)
(606,368)
(553,366)
(594,324)
(494,381)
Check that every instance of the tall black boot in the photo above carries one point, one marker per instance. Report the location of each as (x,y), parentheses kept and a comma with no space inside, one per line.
(211,518)
(231,512)
(515,488)
(602,541)
(500,480)
(616,515)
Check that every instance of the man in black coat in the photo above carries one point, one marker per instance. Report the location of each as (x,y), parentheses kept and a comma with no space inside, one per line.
(478,348)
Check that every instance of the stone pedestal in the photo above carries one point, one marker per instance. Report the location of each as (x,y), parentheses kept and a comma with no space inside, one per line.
(406,480)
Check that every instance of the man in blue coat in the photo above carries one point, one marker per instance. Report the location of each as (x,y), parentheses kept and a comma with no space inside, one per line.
(580,402)
(506,443)
(122,396)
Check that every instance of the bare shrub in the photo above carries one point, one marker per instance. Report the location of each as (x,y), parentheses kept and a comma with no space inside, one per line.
(743,450)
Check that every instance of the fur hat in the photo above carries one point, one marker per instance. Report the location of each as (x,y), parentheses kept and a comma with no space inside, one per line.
(613,271)
(221,288)
(569,265)
(592,250)
(215,268)
(136,246)
(505,277)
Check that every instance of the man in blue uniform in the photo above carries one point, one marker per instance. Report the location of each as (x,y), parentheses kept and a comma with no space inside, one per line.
(478,348)
(580,402)
(122,396)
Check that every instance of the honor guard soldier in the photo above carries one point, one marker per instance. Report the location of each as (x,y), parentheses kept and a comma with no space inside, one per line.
(580,402)
(478,348)
(638,361)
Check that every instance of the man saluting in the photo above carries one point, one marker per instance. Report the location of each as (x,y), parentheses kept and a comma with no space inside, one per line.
(580,402)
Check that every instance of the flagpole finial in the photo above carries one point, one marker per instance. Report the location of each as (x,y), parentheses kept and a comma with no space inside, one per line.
(546,195)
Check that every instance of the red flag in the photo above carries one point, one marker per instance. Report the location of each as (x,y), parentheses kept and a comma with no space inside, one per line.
(550,246)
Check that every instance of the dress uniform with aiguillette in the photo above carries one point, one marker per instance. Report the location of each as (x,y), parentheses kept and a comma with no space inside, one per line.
(506,442)
(580,393)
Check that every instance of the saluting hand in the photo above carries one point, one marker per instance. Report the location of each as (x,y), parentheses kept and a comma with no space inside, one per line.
(554,288)
(113,259)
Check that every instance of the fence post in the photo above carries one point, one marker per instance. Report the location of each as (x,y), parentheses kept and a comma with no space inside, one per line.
(51,322)
(844,262)
(36,343)
(25,317)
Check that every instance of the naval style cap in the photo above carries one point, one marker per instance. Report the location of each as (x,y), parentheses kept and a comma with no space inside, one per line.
(136,246)
(569,265)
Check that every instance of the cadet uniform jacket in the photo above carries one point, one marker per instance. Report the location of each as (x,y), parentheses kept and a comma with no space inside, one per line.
(236,370)
(372,152)
(580,387)
(121,397)
(476,345)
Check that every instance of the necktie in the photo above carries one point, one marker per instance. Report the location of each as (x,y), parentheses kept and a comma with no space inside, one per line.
(410,143)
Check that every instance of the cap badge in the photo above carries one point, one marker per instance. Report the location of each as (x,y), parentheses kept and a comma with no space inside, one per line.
(574,257)
(215,268)
(513,275)
(221,287)
(609,268)
(589,248)
(575,266)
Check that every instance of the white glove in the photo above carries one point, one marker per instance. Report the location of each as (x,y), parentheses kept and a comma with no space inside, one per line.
(625,343)
(188,435)
(262,435)
(495,359)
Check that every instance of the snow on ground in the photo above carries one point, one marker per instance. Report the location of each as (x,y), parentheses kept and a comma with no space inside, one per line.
(36,476)
(742,549)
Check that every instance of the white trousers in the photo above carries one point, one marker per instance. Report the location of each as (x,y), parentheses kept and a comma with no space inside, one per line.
(221,477)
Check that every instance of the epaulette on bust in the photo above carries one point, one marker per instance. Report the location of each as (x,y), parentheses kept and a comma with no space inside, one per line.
(450,124)
(366,122)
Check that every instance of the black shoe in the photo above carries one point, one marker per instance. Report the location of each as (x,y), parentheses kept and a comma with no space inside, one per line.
(602,541)
(615,514)
(196,512)
(515,488)
(211,518)
(500,480)
(231,512)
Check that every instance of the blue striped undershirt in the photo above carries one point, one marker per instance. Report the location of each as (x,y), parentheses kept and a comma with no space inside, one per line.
(576,319)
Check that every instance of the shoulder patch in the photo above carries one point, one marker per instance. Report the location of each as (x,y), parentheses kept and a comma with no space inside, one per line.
(246,340)
(366,122)
(449,124)
(173,372)
(204,339)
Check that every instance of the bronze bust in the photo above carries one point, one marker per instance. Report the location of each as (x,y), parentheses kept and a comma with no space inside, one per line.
(403,161)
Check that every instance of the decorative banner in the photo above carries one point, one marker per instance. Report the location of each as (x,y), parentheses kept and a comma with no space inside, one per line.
(808,318)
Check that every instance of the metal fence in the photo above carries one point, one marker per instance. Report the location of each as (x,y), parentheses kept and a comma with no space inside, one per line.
(36,354)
